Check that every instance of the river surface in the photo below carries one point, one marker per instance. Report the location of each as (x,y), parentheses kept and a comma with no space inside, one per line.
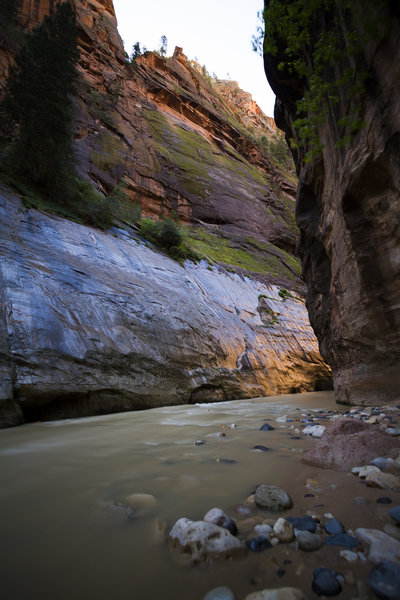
(65,534)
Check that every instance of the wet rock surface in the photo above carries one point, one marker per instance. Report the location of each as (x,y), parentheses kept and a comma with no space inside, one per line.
(325,582)
(384,579)
(108,311)
(272,497)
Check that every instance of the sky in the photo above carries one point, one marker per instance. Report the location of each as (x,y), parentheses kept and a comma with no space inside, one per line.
(215,32)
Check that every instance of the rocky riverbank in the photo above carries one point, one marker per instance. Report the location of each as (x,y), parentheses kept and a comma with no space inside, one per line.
(342,537)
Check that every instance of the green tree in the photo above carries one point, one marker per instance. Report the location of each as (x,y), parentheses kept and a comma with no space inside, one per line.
(163,45)
(38,107)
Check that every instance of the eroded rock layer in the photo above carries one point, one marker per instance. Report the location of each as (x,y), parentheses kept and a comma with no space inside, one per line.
(348,207)
(95,323)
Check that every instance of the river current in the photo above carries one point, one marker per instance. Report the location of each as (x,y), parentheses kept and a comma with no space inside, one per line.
(64,530)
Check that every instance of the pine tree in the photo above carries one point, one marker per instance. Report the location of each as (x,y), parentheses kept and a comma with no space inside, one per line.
(38,105)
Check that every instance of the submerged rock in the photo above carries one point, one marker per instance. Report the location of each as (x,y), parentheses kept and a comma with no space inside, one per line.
(306,523)
(283,530)
(285,593)
(333,526)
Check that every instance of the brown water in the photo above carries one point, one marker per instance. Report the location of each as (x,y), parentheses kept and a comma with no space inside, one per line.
(62,535)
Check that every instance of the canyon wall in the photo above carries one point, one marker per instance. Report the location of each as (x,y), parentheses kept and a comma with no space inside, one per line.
(94,322)
(348,207)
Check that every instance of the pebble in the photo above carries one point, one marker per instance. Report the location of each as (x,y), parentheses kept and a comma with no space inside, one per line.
(258,544)
(364,471)
(384,500)
(261,448)
(284,593)
(283,530)
(395,513)
(216,516)
(266,427)
(198,443)
(263,529)
(349,555)
(303,523)
(329,516)
(334,526)
(219,593)
(230,525)
(281,419)
(384,481)
(272,497)
(393,431)
(308,541)
(382,462)
(314,430)
(381,545)
(342,539)
(325,582)
(384,579)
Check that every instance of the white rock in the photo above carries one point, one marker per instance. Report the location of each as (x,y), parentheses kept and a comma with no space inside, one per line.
(274,541)
(381,545)
(285,593)
(314,430)
(356,470)
(393,431)
(219,593)
(281,419)
(263,529)
(349,555)
(198,541)
(329,516)
(364,471)
(216,516)
(283,530)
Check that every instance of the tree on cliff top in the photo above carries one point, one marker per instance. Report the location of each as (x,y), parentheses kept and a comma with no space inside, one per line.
(37,107)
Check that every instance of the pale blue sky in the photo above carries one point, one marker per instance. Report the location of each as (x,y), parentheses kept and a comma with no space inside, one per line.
(216,32)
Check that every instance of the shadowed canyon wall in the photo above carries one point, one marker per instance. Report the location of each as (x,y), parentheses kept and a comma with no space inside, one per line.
(348,207)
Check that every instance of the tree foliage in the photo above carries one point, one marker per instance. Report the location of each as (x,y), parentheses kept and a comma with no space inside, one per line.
(319,42)
(37,107)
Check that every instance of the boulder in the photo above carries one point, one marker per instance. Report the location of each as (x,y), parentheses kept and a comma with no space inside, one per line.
(194,542)
(381,545)
(347,442)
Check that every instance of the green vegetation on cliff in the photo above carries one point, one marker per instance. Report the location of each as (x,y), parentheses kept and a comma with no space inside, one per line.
(308,39)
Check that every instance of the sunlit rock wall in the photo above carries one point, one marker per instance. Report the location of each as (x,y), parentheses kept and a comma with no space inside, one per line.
(94,323)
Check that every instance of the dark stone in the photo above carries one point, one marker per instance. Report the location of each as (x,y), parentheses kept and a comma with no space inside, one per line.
(281,572)
(227,461)
(295,437)
(258,544)
(395,513)
(325,582)
(384,579)
(230,525)
(262,448)
(309,496)
(333,527)
(302,523)
(384,500)
(287,562)
(266,427)
(342,539)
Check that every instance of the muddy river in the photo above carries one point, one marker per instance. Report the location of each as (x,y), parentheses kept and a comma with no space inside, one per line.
(65,532)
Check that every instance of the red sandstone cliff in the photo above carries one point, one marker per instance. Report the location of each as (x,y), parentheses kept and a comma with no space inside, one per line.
(179,142)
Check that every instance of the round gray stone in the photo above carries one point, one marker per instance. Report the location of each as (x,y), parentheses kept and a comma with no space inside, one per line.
(272,497)
(308,541)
